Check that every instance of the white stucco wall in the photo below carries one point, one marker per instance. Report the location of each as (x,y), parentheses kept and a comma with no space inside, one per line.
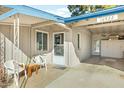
(112,48)
(72,55)
(78,55)
(106,46)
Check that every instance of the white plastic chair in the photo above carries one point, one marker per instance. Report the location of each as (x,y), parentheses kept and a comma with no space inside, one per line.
(41,60)
(13,71)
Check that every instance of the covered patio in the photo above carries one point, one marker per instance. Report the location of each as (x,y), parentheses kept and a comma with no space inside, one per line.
(107,39)
(20,27)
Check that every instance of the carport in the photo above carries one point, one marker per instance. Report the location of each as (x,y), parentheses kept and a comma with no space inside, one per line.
(107,37)
(108,44)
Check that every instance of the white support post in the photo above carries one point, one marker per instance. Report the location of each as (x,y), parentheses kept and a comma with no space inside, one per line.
(16,48)
(16,31)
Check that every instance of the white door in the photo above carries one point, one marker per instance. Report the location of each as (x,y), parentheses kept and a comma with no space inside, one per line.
(58,53)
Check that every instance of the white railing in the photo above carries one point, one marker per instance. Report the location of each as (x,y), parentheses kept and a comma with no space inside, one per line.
(7,48)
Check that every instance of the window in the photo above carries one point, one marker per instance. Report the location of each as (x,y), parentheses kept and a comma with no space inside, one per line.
(42,38)
(97,45)
(78,41)
(59,38)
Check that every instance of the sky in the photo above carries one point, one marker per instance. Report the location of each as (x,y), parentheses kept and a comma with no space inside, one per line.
(60,10)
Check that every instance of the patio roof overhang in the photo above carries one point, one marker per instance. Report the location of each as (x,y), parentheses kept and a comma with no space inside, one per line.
(7,18)
(26,10)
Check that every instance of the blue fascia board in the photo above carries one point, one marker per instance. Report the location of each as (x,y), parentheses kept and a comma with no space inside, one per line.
(8,14)
(96,14)
(22,9)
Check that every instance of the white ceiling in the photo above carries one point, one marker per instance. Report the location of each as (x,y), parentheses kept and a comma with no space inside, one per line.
(108,29)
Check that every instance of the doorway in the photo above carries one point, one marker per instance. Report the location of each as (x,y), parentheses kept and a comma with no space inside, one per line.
(58,52)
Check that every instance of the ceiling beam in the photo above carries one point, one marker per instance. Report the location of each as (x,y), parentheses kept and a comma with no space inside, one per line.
(48,23)
(64,26)
(42,24)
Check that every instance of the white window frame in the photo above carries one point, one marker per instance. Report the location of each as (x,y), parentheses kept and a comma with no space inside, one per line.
(36,40)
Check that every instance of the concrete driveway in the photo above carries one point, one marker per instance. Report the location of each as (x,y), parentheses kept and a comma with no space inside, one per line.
(89,76)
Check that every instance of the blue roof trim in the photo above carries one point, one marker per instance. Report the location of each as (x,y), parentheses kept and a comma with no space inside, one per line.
(22,9)
(118,9)
(8,14)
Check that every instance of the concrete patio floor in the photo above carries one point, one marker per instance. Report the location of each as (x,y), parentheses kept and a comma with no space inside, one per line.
(43,78)
(95,73)
(90,76)
(112,62)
